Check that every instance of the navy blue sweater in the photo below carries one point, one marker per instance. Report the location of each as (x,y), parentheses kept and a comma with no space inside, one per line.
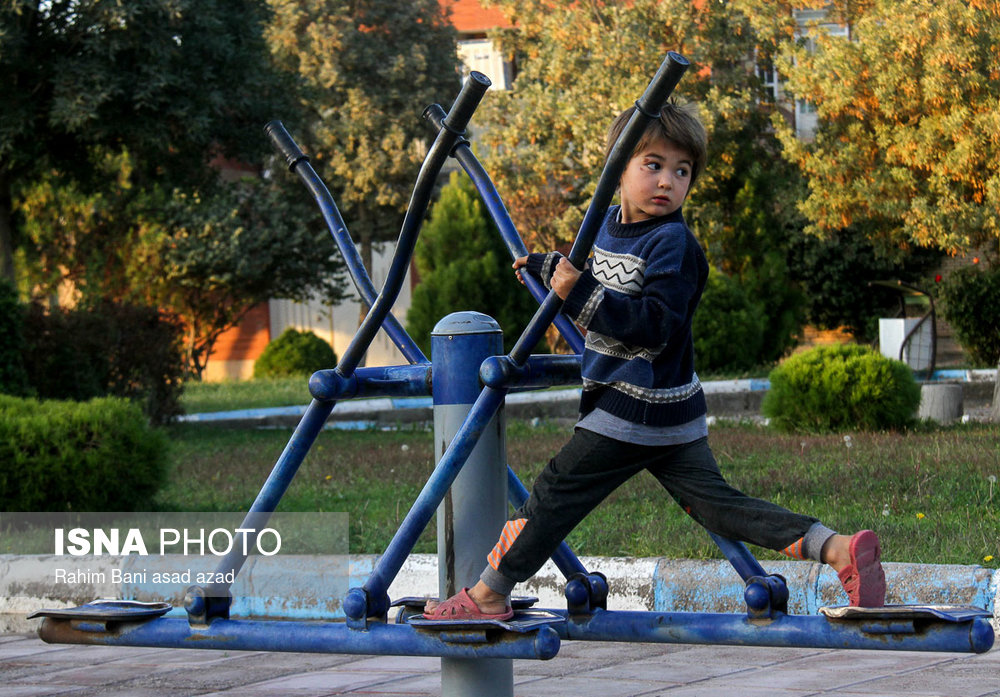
(636,299)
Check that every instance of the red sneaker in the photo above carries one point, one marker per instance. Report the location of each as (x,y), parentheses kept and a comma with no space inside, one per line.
(863,579)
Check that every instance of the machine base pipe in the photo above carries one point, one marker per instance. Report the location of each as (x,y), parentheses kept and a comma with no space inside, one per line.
(305,637)
(803,631)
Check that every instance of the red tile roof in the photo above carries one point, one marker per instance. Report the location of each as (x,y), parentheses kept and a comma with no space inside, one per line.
(469,17)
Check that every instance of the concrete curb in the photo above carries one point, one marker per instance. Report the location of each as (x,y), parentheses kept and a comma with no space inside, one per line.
(311,587)
(725,398)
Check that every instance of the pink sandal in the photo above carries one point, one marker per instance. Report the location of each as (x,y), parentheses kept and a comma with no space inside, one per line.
(462,607)
(864,579)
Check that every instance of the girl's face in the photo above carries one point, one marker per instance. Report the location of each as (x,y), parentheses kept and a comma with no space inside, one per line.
(655,182)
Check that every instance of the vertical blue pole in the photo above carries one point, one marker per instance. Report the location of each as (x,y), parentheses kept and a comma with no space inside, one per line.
(474,510)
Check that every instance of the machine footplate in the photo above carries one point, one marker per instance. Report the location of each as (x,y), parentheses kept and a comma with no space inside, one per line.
(522,622)
(942,613)
(108,611)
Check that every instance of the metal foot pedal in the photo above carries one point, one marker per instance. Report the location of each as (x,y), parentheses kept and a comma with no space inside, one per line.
(102,616)
(523,621)
(941,613)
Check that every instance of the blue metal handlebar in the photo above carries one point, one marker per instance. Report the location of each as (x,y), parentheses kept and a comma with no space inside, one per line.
(454,126)
(299,163)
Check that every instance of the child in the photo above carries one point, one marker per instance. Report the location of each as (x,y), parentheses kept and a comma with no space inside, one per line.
(642,406)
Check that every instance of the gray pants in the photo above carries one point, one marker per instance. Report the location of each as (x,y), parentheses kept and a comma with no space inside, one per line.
(591,466)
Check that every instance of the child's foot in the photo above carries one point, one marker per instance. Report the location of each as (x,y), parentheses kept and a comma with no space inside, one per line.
(863,579)
(466,605)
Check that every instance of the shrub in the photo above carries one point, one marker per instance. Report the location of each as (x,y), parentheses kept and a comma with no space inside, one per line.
(100,455)
(110,349)
(728,327)
(294,353)
(13,377)
(971,304)
(842,387)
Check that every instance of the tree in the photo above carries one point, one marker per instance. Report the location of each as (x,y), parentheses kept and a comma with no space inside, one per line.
(908,116)
(579,64)
(365,70)
(172,83)
(211,259)
(464,265)
(118,197)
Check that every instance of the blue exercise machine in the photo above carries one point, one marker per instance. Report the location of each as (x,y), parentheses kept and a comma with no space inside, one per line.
(471,375)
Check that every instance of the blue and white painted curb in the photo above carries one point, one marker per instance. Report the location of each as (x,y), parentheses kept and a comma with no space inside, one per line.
(724,397)
(312,587)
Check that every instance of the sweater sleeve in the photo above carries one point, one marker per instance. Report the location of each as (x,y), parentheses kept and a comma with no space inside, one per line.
(542,266)
(649,318)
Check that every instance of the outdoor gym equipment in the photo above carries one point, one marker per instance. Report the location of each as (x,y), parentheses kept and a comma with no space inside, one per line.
(469,379)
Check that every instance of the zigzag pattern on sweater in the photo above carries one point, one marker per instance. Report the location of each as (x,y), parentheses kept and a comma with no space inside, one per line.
(624,273)
(609,346)
(668,395)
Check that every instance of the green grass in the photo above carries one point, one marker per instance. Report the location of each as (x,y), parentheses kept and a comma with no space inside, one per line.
(205,397)
(934,484)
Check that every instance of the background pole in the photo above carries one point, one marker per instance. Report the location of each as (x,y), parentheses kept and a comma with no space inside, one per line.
(474,510)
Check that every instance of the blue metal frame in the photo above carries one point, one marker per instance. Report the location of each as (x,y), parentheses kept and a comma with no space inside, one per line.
(766,622)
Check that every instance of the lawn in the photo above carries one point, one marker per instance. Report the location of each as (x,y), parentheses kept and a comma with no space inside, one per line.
(932,495)
(204,397)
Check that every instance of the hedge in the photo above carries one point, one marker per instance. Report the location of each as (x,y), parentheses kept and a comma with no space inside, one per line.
(100,455)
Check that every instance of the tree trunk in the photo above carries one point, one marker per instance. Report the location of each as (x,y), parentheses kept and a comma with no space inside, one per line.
(6,230)
(366,259)
(995,407)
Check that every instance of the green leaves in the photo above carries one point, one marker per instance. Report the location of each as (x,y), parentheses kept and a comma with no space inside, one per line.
(463,265)
(365,71)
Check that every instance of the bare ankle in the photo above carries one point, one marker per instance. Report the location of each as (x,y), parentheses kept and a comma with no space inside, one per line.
(485,597)
(836,552)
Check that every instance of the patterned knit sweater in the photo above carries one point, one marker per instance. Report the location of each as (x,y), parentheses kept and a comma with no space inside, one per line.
(636,299)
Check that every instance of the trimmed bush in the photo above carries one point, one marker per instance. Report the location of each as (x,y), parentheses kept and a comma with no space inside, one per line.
(971,300)
(294,353)
(842,387)
(728,327)
(100,455)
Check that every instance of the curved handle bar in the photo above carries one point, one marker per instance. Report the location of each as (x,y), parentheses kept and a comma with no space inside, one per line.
(282,140)
(663,83)
(312,422)
(649,104)
(468,99)
(490,197)
(657,92)
(300,165)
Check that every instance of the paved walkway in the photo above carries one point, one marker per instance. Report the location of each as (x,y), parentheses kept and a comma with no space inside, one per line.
(30,667)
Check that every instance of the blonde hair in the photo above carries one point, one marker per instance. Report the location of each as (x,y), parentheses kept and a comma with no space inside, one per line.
(678,125)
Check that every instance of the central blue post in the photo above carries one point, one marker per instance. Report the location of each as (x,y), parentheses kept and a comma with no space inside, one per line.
(474,510)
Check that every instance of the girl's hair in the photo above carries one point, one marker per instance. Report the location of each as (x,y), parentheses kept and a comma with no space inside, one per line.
(678,125)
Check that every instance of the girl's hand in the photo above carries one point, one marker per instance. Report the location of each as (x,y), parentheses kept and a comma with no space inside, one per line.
(564,278)
(517,265)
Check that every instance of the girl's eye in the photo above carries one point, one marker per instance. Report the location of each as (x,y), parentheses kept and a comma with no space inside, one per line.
(682,172)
